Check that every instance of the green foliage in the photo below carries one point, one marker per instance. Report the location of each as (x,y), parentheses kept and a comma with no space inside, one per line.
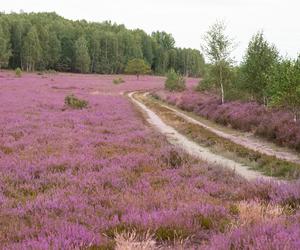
(31,51)
(204,221)
(234,88)
(218,47)
(138,67)
(233,209)
(164,39)
(171,234)
(53,50)
(5,50)
(211,79)
(174,81)
(74,102)
(118,80)
(82,58)
(18,72)
(43,41)
(285,88)
(258,67)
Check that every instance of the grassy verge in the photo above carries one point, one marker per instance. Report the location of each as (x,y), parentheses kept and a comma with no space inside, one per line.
(268,165)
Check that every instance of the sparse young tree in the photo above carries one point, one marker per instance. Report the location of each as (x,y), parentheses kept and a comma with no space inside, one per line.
(5,51)
(218,47)
(82,57)
(174,81)
(138,67)
(32,50)
(257,67)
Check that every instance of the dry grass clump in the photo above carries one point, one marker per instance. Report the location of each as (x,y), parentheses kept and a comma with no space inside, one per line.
(253,212)
(133,241)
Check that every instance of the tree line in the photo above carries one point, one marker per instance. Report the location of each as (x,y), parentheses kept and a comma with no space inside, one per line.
(263,75)
(46,41)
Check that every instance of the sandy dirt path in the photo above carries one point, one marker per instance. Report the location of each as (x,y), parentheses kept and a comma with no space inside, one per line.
(255,144)
(193,148)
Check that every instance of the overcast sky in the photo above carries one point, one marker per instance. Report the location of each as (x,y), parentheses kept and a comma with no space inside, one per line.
(187,20)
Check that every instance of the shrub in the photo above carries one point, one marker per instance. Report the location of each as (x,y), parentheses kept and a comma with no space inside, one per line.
(174,81)
(118,80)
(18,72)
(73,102)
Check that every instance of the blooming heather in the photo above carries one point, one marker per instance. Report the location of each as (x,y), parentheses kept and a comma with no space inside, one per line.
(275,125)
(77,178)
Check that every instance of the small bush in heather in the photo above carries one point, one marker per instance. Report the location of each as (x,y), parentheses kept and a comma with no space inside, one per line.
(118,80)
(73,102)
(18,72)
(174,81)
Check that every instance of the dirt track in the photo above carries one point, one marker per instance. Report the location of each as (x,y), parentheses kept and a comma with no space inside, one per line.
(193,148)
(245,141)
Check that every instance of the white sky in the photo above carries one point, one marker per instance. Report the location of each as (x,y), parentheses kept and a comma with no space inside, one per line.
(187,20)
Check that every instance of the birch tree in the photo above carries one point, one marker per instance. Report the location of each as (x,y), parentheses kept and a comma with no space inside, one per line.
(218,47)
(32,50)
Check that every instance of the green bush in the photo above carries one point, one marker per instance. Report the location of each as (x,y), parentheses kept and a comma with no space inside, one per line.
(138,67)
(168,233)
(118,80)
(174,81)
(18,72)
(73,102)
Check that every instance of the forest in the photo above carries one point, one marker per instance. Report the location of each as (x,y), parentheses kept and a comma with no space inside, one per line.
(46,41)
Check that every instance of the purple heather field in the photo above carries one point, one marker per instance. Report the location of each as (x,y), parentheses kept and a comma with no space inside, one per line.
(73,179)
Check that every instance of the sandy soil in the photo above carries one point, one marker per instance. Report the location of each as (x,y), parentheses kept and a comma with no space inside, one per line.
(193,148)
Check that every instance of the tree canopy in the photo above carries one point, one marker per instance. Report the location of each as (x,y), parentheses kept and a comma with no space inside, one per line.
(39,41)
(285,87)
(5,51)
(138,67)
(218,47)
(257,67)
(82,57)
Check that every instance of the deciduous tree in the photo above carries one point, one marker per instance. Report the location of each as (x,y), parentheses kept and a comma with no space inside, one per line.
(5,50)
(32,51)
(82,57)
(285,89)
(257,67)
(138,67)
(218,47)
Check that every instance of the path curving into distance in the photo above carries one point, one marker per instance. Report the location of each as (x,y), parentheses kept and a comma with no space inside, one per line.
(194,149)
(244,141)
